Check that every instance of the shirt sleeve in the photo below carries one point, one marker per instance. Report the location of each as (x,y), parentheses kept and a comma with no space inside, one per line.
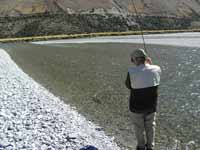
(160,71)
(128,81)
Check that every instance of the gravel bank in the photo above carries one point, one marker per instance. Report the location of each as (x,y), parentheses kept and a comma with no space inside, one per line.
(33,118)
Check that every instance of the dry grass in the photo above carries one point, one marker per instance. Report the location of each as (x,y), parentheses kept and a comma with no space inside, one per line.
(70,36)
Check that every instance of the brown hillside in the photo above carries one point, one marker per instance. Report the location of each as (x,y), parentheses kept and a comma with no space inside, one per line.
(147,7)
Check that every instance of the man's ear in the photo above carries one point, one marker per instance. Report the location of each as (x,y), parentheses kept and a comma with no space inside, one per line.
(132,60)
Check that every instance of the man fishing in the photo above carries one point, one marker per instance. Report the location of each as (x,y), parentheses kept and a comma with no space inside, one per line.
(143,80)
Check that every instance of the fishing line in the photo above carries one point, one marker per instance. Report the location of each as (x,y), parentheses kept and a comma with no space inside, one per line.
(138,17)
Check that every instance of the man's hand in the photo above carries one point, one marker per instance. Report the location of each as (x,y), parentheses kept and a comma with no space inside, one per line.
(148,61)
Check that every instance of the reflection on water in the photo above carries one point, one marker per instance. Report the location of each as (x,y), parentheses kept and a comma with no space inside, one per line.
(92,77)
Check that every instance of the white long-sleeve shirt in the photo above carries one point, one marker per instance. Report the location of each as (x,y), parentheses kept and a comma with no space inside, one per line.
(144,76)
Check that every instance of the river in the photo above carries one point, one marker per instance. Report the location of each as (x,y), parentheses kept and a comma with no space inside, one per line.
(89,74)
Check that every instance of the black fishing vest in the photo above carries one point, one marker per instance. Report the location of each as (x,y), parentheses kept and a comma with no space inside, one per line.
(143,100)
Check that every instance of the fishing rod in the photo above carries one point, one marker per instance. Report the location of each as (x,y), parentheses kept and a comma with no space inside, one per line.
(138,17)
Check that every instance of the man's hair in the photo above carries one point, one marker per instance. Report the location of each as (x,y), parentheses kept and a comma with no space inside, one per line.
(140,60)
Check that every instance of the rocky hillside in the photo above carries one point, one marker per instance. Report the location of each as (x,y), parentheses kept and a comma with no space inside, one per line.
(148,7)
(94,15)
(180,8)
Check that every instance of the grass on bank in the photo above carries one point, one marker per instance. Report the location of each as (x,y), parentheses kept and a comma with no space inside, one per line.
(83,35)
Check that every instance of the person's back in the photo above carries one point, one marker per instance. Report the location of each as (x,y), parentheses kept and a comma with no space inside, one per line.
(144,75)
(144,80)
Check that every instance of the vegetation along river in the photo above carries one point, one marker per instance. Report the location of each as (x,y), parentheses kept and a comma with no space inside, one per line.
(91,78)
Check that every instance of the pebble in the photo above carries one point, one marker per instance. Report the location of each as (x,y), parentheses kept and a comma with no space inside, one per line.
(33,118)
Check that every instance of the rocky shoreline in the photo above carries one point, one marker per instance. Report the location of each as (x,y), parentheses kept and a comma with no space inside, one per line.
(64,23)
(33,118)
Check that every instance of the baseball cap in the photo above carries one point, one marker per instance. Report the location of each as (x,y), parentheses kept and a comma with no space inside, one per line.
(139,53)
